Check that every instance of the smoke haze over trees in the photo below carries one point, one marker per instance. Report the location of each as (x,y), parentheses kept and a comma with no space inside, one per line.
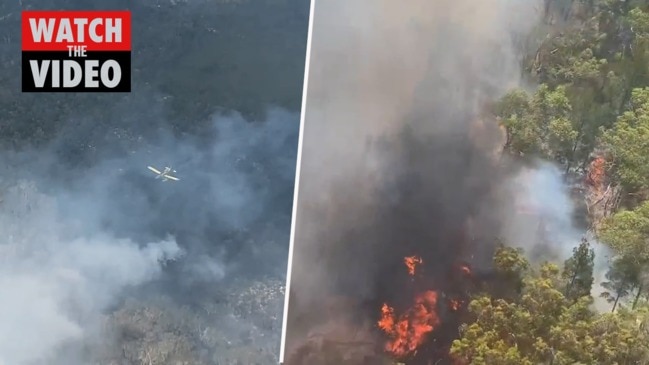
(588,115)
(103,264)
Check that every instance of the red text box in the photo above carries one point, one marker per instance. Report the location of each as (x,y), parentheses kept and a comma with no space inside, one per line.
(96,30)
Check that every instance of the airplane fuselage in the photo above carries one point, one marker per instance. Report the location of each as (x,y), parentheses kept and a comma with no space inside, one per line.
(164,174)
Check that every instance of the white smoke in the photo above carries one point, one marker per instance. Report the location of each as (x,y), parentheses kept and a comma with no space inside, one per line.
(54,281)
(76,241)
(543,222)
(543,210)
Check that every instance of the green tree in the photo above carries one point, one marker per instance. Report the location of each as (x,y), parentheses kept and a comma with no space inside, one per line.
(627,233)
(600,56)
(578,271)
(539,124)
(621,280)
(593,96)
(513,331)
(633,58)
(628,144)
(511,266)
(523,134)
(542,326)
(562,138)
(570,57)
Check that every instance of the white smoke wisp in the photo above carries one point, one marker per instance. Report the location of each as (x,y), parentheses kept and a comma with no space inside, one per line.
(542,221)
(543,209)
(56,283)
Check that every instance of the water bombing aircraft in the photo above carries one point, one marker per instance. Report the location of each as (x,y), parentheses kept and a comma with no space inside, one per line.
(164,174)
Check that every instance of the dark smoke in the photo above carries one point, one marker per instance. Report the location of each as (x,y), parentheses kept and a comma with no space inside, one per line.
(399,160)
(436,186)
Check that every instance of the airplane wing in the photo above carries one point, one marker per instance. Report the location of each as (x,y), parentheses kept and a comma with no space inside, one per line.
(154,170)
(172,178)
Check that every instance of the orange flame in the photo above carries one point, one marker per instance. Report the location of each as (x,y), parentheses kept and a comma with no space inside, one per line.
(409,330)
(597,173)
(411,263)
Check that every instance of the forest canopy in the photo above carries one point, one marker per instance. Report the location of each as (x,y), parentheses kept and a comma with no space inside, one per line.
(589,113)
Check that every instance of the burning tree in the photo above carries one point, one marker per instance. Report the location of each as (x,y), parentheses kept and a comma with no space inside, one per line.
(409,252)
(409,331)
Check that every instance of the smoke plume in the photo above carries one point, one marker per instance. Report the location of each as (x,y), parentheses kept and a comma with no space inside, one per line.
(82,232)
(544,220)
(397,160)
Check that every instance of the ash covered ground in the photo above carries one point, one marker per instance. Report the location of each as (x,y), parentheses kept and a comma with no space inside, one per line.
(103,264)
